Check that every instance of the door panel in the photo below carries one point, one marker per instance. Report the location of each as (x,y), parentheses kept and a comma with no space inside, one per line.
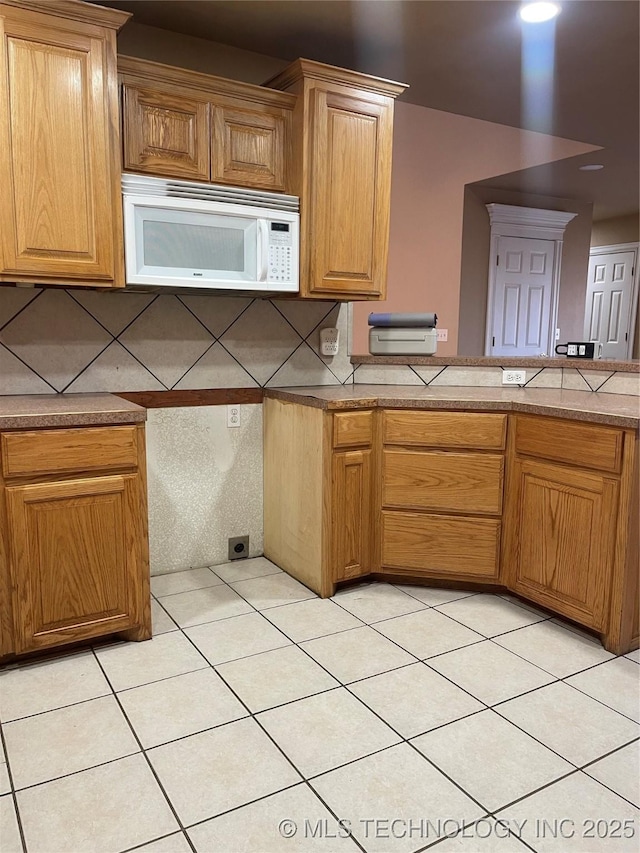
(248,147)
(349,218)
(566,527)
(351,518)
(522,297)
(165,134)
(608,303)
(57,162)
(75,557)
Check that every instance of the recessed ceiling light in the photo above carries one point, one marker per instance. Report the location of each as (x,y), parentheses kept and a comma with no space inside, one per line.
(591,167)
(536,13)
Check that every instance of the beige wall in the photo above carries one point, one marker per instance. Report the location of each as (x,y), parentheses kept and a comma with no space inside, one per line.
(197,54)
(622,229)
(474,270)
(435,155)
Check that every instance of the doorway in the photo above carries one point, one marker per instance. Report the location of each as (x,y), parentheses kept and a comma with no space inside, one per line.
(524,275)
(611,300)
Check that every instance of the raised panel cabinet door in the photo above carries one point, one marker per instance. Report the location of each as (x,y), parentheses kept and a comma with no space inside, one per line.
(566,527)
(351,514)
(248,147)
(350,178)
(60,207)
(75,555)
(165,134)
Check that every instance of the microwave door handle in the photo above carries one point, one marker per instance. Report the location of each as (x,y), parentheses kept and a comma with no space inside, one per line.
(263,243)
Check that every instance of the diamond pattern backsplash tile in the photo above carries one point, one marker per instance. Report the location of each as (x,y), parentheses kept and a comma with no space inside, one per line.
(87,341)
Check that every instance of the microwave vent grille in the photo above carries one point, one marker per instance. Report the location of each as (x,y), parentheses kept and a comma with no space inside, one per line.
(141,185)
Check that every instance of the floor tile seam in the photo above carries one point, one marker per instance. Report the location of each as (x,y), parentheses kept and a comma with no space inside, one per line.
(370,624)
(542,743)
(555,675)
(613,791)
(252,654)
(308,639)
(76,772)
(607,754)
(165,677)
(278,571)
(433,845)
(60,708)
(12,793)
(466,593)
(144,753)
(160,596)
(599,701)
(159,838)
(577,771)
(489,636)
(218,619)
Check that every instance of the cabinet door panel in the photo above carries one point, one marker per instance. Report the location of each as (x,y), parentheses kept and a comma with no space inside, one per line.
(74,559)
(248,147)
(351,175)
(351,521)
(566,531)
(60,207)
(165,134)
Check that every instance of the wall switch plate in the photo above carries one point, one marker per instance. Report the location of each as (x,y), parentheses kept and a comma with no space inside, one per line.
(514,377)
(233,416)
(238,547)
(442,334)
(329,341)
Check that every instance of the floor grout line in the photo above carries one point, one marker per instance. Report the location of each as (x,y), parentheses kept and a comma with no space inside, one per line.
(307,780)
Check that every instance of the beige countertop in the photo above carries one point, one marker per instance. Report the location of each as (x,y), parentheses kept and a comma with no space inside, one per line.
(35,411)
(614,409)
(502,361)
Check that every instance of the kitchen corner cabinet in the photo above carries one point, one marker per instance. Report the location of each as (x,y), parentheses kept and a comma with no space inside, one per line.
(343,133)
(73,521)
(60,206)
(318,493)
(547,508)
(572,523)
(183,124)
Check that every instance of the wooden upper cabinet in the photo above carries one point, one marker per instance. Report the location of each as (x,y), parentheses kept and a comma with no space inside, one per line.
(342,173)
(248,146)
(165,134)
(185,124)
(60,208)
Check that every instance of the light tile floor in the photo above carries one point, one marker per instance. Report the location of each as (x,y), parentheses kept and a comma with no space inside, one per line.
(404,714)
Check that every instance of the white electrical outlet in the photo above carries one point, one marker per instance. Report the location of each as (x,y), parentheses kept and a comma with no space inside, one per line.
(514,377)
(442,334)
(233,416)
(329,341)
(557,334)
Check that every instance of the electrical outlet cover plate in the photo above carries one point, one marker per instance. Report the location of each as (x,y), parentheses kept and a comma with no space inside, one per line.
(514,377)
(233,416)
(329,339)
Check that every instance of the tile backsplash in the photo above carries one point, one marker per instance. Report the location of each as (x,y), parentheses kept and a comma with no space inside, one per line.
(54,340)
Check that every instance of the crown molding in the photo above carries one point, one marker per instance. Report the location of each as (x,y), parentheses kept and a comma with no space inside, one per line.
(552,221)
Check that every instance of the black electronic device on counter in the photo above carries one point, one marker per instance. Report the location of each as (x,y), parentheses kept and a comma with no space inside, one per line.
(580,349)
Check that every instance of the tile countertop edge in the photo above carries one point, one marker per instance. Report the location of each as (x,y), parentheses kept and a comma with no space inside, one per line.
(499,361)
(38,411)
(617,410)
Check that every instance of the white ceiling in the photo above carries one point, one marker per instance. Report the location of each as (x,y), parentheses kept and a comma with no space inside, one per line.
(461,56)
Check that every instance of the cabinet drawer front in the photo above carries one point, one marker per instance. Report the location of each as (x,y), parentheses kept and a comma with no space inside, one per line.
(440,543)
(352,428)
(586,445)
(445,429)
(64,450)
(454,482)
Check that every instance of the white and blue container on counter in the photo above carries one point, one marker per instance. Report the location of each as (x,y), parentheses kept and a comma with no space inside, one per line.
(403,334)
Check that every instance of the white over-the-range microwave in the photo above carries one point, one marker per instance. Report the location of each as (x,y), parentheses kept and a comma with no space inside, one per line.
(183,234)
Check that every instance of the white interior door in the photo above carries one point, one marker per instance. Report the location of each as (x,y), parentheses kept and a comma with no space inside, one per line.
(607,316)
(520,318)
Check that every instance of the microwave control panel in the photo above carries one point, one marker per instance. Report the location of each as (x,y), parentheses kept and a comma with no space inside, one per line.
(280,252)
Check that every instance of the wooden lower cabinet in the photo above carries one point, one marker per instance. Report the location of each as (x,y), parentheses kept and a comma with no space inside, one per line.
(566,522)
(460,498)
(351,514)
(76,553)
